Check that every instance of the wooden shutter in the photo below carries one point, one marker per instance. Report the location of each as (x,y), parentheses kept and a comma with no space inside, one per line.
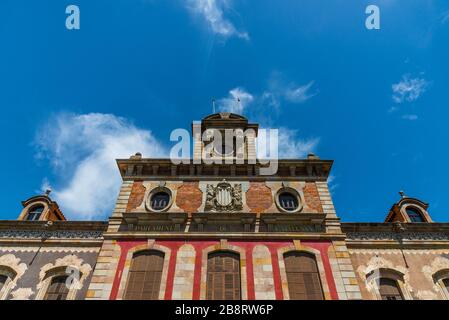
(303,276)
(145,274)
(3,280)
(389,289)
(223,276)
(446,284)
(58,289)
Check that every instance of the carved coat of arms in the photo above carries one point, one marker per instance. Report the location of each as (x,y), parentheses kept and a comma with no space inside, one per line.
(224,197)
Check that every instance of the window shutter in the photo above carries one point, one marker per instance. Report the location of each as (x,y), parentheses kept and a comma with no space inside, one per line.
(3,280)
(223,276)
(446,284)
(58,289)
(145,275)
(303,276)
(389,289)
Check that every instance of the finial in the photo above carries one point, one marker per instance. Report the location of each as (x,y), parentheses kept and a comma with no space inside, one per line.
(402,194)
(47,192)
(213,105)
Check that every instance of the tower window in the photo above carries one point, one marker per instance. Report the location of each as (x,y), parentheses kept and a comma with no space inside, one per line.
(288,201)
(414,215)
(160,200)
(35,213)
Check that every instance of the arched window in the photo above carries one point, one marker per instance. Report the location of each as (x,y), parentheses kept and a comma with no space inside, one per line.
(35,213)
(389,289)
(223,276)
(414,215)
(303,276)
(145,274)
(58,289)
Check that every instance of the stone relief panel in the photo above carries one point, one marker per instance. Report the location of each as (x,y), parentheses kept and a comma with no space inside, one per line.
(224,196)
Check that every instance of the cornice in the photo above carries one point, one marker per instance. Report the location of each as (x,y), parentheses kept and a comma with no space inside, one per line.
(288,169)
(51,230)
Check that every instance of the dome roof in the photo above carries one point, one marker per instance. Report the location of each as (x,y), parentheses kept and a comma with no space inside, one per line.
(225,116)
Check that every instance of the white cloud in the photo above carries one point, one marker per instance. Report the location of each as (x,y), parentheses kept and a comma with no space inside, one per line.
(232,104)
(279,89)
(410,117)
(82,149)
(409,89)
(445,17)
(299,94)
(332,184)
(213,12)
(292,146)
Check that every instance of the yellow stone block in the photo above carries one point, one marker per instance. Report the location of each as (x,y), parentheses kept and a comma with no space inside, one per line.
(342,254)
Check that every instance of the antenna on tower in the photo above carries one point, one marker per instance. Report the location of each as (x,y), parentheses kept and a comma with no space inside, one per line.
(213,105)
(239,103)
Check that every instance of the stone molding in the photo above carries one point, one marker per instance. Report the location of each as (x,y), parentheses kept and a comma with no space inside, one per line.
(11,267)
(50,270)
(378,267)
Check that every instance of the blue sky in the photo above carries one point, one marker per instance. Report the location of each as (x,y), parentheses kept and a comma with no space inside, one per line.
(375,101)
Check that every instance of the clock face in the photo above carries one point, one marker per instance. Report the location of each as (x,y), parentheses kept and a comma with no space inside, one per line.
(224,149)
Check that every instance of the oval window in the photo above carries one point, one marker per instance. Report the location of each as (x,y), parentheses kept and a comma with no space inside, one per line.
(288,201)
(160,201)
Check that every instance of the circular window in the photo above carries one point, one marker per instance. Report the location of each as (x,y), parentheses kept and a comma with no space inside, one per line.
(288,201)
(227,148)
(159,200)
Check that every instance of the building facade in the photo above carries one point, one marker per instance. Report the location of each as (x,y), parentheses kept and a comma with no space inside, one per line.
(203,230)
